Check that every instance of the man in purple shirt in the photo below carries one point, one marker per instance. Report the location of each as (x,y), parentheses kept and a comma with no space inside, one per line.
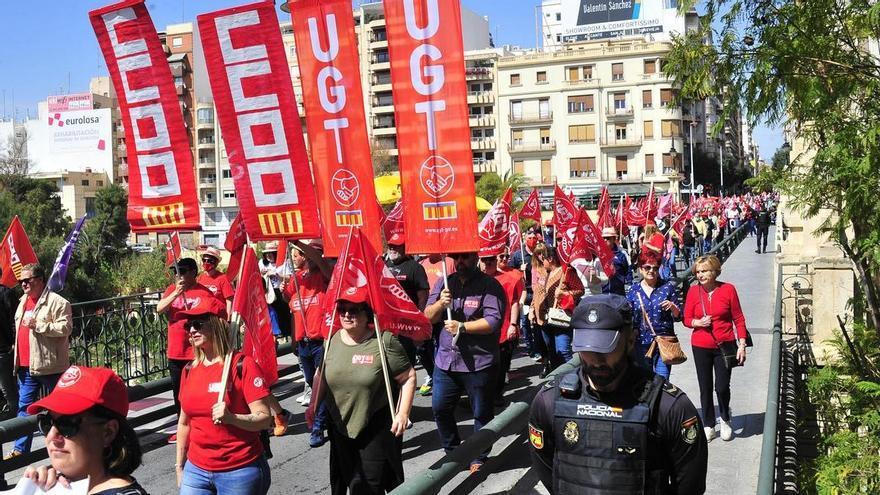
(467,347)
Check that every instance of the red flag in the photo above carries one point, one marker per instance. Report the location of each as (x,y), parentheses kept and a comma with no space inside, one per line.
(253,92)
(495,226)
(250,304)
(15,252)
(172,249)
(515,242)
(337,129)
(236,239)
(634,214)
(565,220)
(603,209)
(532,207)
(591,235)
(620,216)
(162,187)
(393,223)
(664,206)
(431,111)
(649,208)
(360,268)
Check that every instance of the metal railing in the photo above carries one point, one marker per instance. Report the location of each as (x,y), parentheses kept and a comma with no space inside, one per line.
(515,416)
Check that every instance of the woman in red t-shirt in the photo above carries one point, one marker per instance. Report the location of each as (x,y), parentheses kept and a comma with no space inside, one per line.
(713,310)
(219,449)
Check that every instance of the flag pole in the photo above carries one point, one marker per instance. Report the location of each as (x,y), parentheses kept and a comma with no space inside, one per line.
(234,326)
(385,373)
(446,286)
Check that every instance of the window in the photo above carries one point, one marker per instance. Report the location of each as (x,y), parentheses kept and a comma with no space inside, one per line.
(620,132)
(541,77)
(384,100)
(582,133)
(544,108)
(580,104)
(620,166)
(647,99)
(666,96)
(649,164)
(650,66)
(580,73)
(519,167)
(99,183)
(380,56)
(177,41)
(205,115)
(669,164)
(515,80)
(619,101)
(228,194)
(517,138)
(383,77)
(226,173)
(617,72)
(546,175)
(558,17)
(648,131)
(545,135)
(670,128)
(582,167)
(489,132)
(85,182)
(516,110)
(90,207)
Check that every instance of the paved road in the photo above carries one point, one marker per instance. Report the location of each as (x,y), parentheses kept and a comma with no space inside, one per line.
(297,469)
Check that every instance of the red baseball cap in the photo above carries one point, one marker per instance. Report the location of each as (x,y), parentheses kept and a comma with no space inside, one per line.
(354,295)
(204,306)
(81,388)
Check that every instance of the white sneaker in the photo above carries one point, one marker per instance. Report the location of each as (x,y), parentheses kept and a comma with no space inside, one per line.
(710,433)
(306,395)
(726,431)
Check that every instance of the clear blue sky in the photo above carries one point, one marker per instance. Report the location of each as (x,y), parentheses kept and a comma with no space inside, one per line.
(49,46)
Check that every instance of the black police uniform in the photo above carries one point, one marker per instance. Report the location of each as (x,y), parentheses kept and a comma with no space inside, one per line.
(645,437)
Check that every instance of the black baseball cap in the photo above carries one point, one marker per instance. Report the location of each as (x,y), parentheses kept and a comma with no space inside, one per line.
(597,321)
(184,265)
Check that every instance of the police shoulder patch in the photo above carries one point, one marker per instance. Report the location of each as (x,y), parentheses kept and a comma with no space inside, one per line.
(671,389)
(689,430)
(536,437)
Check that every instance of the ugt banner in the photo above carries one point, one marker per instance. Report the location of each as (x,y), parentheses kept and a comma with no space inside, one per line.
(15,253)
(162,187)
(433,136)
(250,80)
(331,83)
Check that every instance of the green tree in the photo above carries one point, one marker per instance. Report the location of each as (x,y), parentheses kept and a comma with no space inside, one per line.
(806,65)
(383,162)
(490,186)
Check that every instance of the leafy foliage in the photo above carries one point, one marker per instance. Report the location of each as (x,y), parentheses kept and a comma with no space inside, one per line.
(490,186)
(141,272)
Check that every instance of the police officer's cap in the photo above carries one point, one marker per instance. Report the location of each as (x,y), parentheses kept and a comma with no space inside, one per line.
(597,321)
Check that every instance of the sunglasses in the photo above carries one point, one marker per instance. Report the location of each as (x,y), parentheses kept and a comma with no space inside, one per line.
(503,256)
(194,325)
(67,426)
(25,281)
(352,310)
(208,259)
(650,268)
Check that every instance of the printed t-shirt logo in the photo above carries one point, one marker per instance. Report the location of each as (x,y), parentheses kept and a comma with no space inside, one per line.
(362,359)
(472,303)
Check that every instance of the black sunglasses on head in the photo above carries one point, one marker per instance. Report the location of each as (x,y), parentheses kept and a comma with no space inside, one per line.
(67,426)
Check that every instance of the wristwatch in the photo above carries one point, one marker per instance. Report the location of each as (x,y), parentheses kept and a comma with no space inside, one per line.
(461,328)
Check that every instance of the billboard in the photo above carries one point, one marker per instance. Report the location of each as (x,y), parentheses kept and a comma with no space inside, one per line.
(73,140)
(64,103)
(584,20)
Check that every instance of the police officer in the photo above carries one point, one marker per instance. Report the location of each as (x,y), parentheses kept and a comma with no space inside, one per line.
(611,426)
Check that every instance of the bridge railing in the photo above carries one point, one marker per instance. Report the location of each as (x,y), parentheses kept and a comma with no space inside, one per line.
(515,417)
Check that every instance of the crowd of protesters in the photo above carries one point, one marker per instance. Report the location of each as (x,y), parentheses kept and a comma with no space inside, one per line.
(491,304)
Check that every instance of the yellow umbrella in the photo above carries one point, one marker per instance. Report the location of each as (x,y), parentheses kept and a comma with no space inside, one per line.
(387,188)
(483,205)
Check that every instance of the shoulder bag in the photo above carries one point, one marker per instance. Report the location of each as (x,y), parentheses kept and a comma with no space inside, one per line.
(670,348)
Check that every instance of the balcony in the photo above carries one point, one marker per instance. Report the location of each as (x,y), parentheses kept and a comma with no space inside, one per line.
(481,120)
(383,107)
(631,142)
(485,166)
(384,131)
(206,163)
(483,144)
(379,64)
(206,123)
(520,147)
(379,44)
(477,73)
(207,181)
(583,83)
(528,119)
(480,97)
(657,76)
(206,143)
(583,174)
(381,86)
(619,113)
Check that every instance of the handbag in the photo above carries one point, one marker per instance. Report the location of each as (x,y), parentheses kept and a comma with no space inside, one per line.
(558,318)
(727,348)
(670,348)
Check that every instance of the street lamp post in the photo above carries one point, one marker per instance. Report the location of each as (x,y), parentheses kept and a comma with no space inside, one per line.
(691,132)
(673,153)
(721,166)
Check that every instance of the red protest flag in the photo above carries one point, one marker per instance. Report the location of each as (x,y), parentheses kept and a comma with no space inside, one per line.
(250,305)
(532,207)
(591,235)
(236,239)
(393,222)
(162,193)
(515,240)
(360,268)
(565,221)
(335,119)
(494,228)
(172,249)
(250,80)
(433,136)
(650,209)
(15,253)
(603,209)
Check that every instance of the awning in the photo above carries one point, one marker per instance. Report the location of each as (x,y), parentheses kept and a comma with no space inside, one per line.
(387,188)
(483,205)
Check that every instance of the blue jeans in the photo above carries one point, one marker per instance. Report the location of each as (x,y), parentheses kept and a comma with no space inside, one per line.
(448,387)
(558,342)
(311,355)
(653,363)
(252,479)
(29,388)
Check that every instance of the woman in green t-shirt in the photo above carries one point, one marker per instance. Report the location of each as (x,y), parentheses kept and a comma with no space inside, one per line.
(365,440)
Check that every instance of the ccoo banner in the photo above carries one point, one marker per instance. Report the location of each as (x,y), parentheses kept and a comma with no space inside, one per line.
(431,114)
(250,80)
(331,82)
(162,188)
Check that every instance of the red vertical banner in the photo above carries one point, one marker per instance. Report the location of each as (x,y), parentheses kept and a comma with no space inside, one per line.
(250,80)
(15,253)
(331,82)
(250,305)
(431,114)
(162,187)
